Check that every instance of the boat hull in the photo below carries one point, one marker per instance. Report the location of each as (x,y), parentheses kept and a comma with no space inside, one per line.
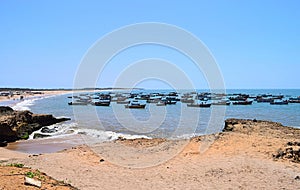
(102,103)
(199,105)
(242,103)
(136,106)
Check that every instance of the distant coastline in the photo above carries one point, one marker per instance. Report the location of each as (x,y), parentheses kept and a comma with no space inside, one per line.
(65,89)
(9,94)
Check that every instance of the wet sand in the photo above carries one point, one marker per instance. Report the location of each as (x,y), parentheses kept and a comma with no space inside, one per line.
(46,145)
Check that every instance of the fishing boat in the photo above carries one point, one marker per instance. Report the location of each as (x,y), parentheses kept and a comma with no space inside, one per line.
(221,103)
(77,103)
(294,100)
(246,102)
(123,102)
(201,105)
(169,102)
(279,102)
(135,105)
(264,100)
(102,103)
(156,100)
(187,100)
(161,103)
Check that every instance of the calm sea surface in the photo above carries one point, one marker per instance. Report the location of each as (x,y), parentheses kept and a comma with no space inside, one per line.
(171,121)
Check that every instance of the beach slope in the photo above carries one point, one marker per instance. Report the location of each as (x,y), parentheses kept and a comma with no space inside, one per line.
(248,154)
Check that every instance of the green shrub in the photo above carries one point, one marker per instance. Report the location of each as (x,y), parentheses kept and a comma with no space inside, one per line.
(18,165)
(30,174)
(25,136)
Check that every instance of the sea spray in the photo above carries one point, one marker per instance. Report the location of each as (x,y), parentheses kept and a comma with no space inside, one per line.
(24,105)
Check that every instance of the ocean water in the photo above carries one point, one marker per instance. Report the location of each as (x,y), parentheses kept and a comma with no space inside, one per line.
(171,121)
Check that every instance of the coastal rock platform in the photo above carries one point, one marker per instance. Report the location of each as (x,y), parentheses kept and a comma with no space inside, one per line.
(16,125)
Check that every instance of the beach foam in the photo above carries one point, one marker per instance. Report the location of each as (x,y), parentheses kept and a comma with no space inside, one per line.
(62,129)
(185,136)
(108,135)
(24,105)
(72,128)
(27,103)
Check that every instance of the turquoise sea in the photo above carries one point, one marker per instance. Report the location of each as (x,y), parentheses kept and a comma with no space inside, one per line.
(171,121)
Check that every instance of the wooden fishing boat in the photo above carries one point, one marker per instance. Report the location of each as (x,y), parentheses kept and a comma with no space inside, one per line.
(279,102)
(221,103)
(135,105)
(102,103)
(246,102)
(201,105)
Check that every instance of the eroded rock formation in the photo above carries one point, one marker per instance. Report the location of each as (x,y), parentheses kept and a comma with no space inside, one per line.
(15,125)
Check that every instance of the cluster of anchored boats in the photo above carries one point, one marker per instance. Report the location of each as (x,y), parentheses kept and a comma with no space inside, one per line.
(192,99)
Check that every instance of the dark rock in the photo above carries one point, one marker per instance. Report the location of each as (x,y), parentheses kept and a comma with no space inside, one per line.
(15,125)
(38,135)
(46,120)
(248,125)
(281,153)
(47,130)
(228,126)
(293,143)
(101,160)
(3,144)
(5,109)
(289,150)
(289,154)
(297,177)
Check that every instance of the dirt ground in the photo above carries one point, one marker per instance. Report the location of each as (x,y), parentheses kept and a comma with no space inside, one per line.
(248,155)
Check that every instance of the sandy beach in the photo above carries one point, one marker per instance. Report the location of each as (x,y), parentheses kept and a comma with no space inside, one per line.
(17,98)
(247,155)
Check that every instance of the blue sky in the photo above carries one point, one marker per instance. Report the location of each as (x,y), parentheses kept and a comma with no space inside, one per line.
(255,43)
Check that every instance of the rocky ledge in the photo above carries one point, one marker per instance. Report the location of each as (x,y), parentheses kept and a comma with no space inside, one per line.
(249,126)
(290,150)
(16,125)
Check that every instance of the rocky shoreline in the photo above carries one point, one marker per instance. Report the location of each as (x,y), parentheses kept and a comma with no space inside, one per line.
(17,125)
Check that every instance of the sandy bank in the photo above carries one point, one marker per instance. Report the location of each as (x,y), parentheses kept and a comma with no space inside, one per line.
(242,157)
(17,98)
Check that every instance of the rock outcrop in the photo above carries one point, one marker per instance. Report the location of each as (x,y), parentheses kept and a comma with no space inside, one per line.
(290,150)
(15,125)
(249,125)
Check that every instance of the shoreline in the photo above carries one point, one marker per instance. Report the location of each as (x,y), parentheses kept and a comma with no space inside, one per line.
(46,145)
(49,92)
(248,154)
(66,141)
(9,101)
(17,98)
(44,93)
